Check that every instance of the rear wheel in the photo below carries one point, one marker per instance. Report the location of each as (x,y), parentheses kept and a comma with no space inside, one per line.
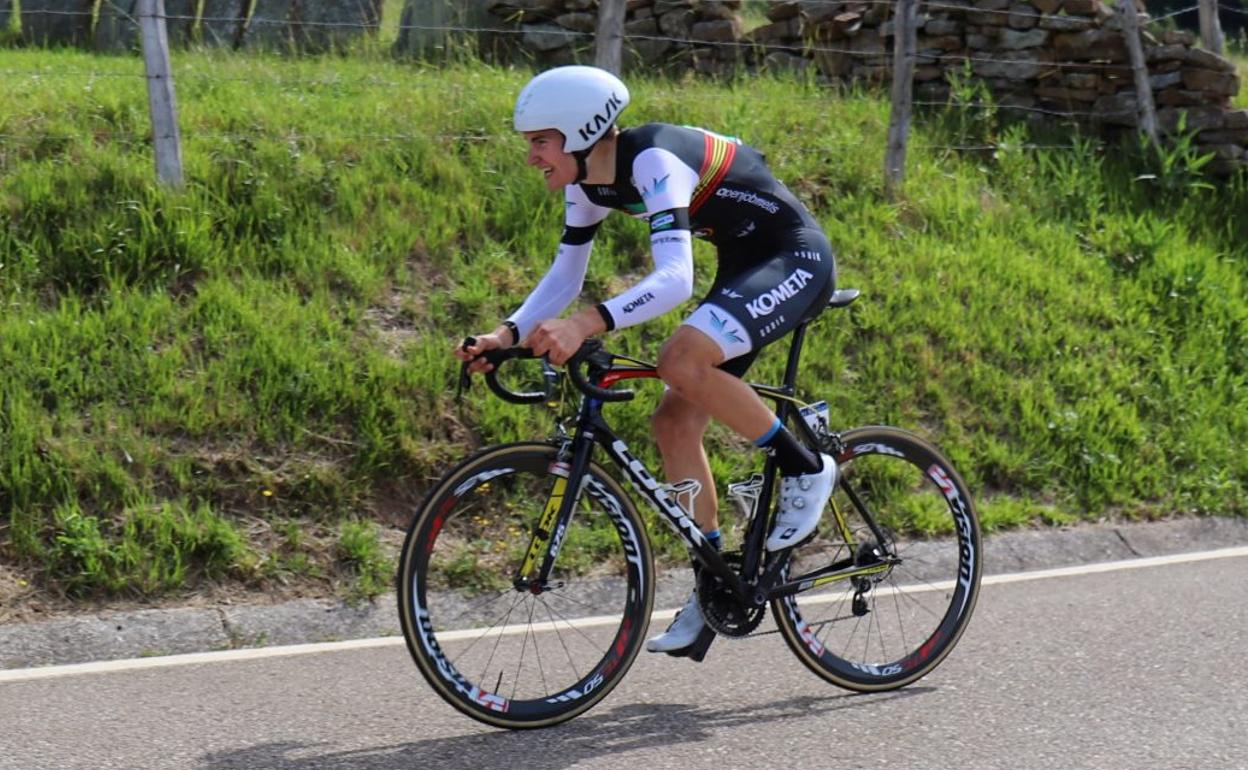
(908,587)
(499,649)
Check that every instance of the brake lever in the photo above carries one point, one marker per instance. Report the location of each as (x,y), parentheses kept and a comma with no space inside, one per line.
(550,376)
(465,379)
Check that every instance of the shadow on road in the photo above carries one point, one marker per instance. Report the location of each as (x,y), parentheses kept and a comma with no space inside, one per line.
(622,729)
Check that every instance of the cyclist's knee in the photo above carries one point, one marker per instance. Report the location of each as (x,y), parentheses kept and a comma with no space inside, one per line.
(676,373)
(675,424)
(684,362)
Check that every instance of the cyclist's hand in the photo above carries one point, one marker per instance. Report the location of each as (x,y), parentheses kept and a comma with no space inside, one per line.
(481,343)
(559,339)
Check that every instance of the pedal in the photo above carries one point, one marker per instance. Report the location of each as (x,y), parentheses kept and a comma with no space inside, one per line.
(696,651)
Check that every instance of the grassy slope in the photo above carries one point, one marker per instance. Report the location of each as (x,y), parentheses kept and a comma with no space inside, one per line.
(234,383)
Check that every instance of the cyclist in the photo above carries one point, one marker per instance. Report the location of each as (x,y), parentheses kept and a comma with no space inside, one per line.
(775,268)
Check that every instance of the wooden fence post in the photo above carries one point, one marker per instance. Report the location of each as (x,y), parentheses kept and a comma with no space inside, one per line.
(1143,90)
(905,23)
(1211,27)
(160,96)
(609,38)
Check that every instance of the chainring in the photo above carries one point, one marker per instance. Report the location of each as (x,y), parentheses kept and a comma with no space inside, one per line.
(720,607)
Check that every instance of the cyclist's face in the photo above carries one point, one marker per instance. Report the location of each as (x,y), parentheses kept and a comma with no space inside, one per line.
(546,152)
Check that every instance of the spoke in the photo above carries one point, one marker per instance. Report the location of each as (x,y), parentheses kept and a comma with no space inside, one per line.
(899,590)
(874,614)
(839,610)
(828,622)
(480,605)
(572,626)
(867,620)
(573,600)
(567,653)
(498,641)
(901,623)
(486,631)
(524,643)
(816,622)
(915,579)
(537,652)
(854,627)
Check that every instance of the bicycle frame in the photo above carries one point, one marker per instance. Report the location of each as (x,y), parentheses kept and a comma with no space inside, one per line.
(592,429)
(882,612)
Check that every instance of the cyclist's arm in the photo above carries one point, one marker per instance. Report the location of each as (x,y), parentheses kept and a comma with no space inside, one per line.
(563,281)
(667,185)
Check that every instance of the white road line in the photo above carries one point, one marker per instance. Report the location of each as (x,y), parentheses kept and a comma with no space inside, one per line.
(135,664)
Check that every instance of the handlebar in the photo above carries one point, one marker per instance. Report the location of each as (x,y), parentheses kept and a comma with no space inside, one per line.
(591,356)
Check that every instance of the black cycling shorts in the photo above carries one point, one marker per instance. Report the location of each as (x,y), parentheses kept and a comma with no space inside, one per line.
(755,302)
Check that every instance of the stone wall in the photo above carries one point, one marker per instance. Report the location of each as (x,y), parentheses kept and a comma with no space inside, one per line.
(1051,58)
(1056,59)
(111,25)
(671,35)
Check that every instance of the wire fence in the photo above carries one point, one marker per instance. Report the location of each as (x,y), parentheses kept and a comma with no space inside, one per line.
(589,37)
(930,6)
(882,61)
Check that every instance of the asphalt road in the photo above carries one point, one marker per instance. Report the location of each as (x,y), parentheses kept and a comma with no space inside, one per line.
(1132,669)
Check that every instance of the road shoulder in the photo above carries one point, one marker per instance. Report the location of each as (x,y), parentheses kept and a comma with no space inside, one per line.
(118,635)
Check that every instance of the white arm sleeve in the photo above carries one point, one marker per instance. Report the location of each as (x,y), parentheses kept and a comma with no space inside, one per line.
(667,185)
(563,281)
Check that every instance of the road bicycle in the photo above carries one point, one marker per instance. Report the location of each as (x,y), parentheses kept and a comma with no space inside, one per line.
(526,581)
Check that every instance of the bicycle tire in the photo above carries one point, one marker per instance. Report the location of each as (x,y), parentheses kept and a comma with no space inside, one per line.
(463,619)
(912,614)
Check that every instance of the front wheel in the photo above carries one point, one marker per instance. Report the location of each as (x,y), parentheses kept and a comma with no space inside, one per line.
(882,606)
(494,645)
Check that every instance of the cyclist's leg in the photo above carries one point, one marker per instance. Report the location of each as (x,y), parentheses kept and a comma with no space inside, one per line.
(678,428)
(689,365)
(704,360)
(754,302)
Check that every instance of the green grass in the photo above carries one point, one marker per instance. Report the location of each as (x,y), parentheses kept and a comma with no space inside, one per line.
(227,383)
(360,552)
(754,14)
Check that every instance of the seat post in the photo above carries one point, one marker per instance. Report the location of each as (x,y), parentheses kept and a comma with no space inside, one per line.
(795,354)
(839,298)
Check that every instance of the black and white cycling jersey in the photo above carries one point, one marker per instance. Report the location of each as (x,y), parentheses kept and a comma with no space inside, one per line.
(774,261)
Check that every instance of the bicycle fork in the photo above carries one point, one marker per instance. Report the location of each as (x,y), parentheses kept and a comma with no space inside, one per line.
(569,470)
(549,530)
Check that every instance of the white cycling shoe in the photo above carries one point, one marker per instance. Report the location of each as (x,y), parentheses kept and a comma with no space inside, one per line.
(802,499)
(683,631)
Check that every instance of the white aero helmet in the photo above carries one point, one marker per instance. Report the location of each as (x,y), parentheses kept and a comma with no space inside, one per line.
(579,102)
